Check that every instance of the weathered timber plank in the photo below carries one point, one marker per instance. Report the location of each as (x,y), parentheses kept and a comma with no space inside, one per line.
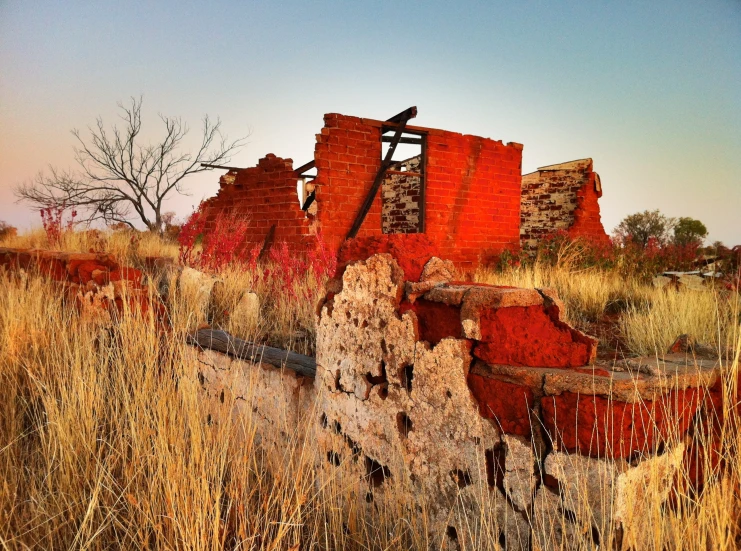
(221,341)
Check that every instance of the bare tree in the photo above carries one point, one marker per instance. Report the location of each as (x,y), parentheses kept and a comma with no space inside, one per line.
(122,180)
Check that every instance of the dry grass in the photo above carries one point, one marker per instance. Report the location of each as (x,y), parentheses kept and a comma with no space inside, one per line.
(710,316)
(284,322)
(104,441)
(126,246)
(587,293)
(650,318)
(287,316)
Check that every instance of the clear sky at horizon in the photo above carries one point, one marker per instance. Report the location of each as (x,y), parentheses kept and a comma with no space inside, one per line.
(650,90)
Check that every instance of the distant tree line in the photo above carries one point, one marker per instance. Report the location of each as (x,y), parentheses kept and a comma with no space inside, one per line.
(651,226)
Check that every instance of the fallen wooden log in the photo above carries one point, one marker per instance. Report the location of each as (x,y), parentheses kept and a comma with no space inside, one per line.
(221,341)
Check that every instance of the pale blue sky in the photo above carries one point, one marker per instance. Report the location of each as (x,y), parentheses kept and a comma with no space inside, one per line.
(649,90)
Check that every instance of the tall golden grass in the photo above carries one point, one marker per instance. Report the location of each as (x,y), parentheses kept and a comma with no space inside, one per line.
(124,245)
(649,318)
(104,442)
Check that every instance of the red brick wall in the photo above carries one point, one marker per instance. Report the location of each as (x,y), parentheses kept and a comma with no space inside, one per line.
(265,195)
(472,191)
(472,195)
(347,156)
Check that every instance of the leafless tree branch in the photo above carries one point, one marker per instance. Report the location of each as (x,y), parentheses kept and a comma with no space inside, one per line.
(122,180)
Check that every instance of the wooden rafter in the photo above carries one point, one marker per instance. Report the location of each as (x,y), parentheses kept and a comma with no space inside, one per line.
(400,120)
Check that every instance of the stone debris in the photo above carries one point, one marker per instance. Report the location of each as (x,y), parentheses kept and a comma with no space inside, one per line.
(640,494)
(435,273)
(395,397)
(197,286)
(691,281)
(93,280)
(246,313)
(661,281)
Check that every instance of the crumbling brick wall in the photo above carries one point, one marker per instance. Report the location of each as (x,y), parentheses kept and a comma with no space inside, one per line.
(266,196)
(473,195)
(471,191)
(562,197)
(471,187)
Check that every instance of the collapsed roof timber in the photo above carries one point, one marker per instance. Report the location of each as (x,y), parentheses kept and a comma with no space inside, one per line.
(465,193)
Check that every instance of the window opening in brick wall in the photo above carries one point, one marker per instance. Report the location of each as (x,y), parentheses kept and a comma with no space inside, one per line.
(402,191)
(305,187)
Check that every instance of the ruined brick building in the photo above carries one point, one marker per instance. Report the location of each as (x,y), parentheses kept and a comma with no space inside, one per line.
(465,193)
(561,197)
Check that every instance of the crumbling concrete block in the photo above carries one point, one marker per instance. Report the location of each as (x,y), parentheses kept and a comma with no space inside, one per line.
(519,477)
(586,486)
(552,528)
(386,395)
(640,493)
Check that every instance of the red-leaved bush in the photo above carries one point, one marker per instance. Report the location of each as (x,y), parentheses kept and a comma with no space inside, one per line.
(285,271)
(221,246)
(628,258)
(52,219)
(288,270)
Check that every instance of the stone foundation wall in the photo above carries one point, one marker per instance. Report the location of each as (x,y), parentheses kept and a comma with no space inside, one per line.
(478,399)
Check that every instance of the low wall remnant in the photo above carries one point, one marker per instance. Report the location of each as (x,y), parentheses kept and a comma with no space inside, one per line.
(89,277)
(476,397)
